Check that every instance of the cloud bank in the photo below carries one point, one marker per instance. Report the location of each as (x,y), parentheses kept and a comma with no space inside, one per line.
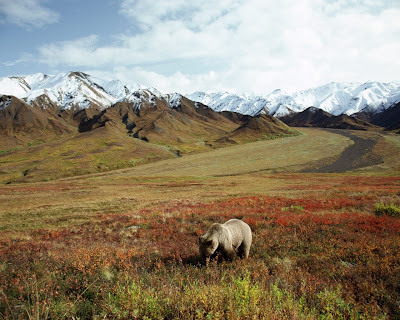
(240,45)
(27,13)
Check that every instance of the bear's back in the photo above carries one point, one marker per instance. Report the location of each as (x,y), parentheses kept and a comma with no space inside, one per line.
(232,223)
(239,228)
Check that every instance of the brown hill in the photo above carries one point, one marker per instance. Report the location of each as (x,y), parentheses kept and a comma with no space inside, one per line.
(186,125)
(314,117)
(236,117)
(88,142)
(389,119)
(21,123)
(257,128)
(119,115)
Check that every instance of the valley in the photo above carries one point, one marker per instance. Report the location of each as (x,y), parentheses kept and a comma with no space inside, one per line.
(359,155)
(123,243)
(105,189)
(226,172)
(73,124)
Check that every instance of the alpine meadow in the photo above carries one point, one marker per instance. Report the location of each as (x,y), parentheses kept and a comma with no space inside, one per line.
(122,244)
(207,160)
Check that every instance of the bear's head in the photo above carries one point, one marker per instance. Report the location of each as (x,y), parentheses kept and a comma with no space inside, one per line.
(207,247)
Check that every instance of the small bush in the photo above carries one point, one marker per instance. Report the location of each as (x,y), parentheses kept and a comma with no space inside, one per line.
(392,209)
(293,208)
(332,306)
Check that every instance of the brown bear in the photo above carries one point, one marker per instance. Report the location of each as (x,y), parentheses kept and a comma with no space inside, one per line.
(230,239)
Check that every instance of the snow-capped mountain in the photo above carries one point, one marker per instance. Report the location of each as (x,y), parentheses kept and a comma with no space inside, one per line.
(67,90)
(224,101)
(75,90)
(334,98)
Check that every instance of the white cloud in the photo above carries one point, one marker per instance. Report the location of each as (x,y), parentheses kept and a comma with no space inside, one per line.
(177,82)
(27,13)
(25,57)
(79,52)
(194,14)
(252,45)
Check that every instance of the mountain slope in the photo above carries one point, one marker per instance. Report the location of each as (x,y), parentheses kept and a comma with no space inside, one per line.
(14,86)
(172,120)
(103,149)
(389,118)
(258,128)
(314,117)
(21,123)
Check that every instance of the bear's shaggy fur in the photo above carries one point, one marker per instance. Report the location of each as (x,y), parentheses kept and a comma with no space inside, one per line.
(230,239)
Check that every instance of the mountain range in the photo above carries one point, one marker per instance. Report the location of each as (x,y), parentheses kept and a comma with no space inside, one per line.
(72,123)
(77,90)
(335,98)
(41,106)
(66,101)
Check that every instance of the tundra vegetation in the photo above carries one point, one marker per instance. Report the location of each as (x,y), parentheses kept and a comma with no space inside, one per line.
(124,244)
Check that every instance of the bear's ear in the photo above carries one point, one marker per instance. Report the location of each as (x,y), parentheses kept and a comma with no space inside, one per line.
(209,243)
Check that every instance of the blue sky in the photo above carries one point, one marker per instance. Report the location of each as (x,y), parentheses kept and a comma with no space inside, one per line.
(184,46)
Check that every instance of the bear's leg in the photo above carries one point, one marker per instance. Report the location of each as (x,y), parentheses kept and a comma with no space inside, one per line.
(244,250)
(241,251)
(228,252)
(228,255)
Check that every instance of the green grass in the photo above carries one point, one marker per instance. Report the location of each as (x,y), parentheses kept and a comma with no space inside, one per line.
(391,209)
(28,145)
(230,296)
(10,150)
(293,208)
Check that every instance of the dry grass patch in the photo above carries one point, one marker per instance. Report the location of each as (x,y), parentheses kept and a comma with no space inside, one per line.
(284,154)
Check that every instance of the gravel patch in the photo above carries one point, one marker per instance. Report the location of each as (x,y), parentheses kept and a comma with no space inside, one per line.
(356,156)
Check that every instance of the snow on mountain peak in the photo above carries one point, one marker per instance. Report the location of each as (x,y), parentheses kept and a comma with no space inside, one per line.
(223,101)
(174,100)
(5,102)
(14,86)
(35,79)
(334,97)
(68,89)
(80,90)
